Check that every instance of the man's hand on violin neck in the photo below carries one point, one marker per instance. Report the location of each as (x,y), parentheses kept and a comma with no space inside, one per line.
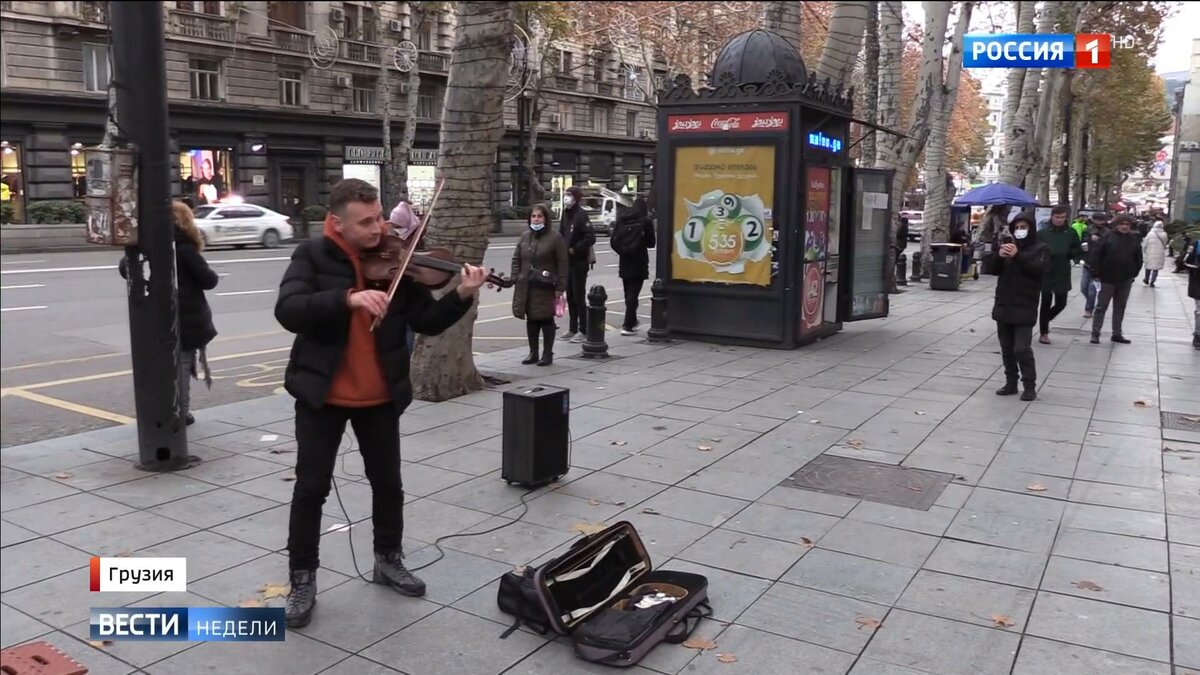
(375,302)
(472,279)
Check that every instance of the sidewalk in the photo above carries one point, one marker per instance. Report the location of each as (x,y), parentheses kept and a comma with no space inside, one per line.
(1066,542)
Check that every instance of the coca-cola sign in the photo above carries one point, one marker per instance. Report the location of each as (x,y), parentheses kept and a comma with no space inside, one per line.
(734,123)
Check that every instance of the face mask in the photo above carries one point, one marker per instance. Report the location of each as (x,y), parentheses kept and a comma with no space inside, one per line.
(537,227)
(1021,234)
(568,201)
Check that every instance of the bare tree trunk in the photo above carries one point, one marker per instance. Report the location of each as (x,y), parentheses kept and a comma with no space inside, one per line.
(417,17)
(784,19)
(937,179)
(1050,106)
(844,41)
(871,82)
(1019,147)
(472,125)
(1079,154)
(383,89)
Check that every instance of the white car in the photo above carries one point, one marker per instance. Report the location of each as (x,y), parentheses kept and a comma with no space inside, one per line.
(241,224)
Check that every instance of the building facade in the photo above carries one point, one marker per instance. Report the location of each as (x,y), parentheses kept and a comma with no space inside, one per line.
(1185,172)
(276,101)
(990,172)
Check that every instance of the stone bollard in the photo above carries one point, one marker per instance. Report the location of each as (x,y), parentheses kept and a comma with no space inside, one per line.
(902,270)
(916,266)
(595,347)
(658,312)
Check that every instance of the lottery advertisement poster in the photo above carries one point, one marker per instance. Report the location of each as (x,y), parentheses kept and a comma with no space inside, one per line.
(723,227)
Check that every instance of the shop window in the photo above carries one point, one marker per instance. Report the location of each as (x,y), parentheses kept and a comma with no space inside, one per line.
(12,185)
(291,87)
(205,75)
(78,171)
(363,91)
(206,174)
(97,68)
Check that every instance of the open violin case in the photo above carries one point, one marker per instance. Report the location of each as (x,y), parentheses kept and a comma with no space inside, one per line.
(606,596)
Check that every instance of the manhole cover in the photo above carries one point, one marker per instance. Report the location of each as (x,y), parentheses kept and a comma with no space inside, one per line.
(1181,421)
(872,481)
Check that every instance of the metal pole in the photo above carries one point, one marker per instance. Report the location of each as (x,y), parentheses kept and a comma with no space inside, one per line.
(140,75)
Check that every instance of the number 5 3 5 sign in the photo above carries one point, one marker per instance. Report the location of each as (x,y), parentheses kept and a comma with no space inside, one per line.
(722,218)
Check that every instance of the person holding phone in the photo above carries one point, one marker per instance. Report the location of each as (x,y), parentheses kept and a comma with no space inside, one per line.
(1022,264)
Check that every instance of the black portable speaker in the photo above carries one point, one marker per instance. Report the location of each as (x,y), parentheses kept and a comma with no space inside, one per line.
(536,435)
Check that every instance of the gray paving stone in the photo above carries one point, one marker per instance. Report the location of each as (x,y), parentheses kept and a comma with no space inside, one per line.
(298,655)
(904,638)
(10,535)
(50,457)
(812,616)
(474,460)
(1183,504)
(31,490)
(1146,456)
(991,563)
(1122,585)
(355,615)
(155,489)
(866,666)
(907,549)
(214,507)
(1116,521)
(517,543)
(1187,649)
(456,575)
(1019,482)
(265,529)
(1184,530)
(18,628)
(1102,625)
(1143,477)
(421,480)
(611,488)
(98,662)
(63,600)
(1052,458)
(559,511)
(357,665)
(745,553)
(735,484)
(760,652)
(447,641)
(1112,549)
(124,533)
(593,456)
(232,469)
(243,582)
(851,576)
(65,513)
(1185,580)
(427,519)
(967,600)
(1039,656)
(742,419)
(40,559)
(420,446)
(1051,427)
(1003,529)
(1118,496)
(693,506)
(720,437)
(777,522)
(954,496)
(808,500)
(664,537)
(665,470)
(849,410)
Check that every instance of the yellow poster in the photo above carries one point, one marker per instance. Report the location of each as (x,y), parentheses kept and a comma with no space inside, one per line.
(723,226)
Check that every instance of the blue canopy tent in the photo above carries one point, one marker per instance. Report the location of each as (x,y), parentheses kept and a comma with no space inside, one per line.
(996,194)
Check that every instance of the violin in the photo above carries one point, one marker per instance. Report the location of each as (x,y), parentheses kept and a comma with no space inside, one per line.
(433,267)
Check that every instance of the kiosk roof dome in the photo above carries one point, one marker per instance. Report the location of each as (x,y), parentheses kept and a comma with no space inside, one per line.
(751,56)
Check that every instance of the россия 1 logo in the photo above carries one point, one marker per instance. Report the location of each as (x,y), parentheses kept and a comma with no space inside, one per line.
(1083,50)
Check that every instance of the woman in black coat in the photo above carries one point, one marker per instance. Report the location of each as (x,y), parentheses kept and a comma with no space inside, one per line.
(633,262)
(1022,265)
(196,329)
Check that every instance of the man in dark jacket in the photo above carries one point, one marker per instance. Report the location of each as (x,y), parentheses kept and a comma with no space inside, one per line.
(1116,262)
(1065,249)
(577,230)
(341,371)
(1095,234)
(633,264)
(1022,264)
(1191,260)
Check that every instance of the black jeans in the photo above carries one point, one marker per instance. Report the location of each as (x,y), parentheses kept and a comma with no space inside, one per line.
(1049,311)
(543,328)
(633,288)
(1118,295)
(1016,349)
(1151,276)
(318,435)
(577,296)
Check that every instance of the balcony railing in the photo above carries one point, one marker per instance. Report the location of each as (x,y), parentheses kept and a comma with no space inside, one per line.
(359,51)
(290,39)
(203,26)
(433,62)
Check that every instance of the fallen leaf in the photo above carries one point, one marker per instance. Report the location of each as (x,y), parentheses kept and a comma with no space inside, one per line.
(1036,487)
(855,442)
(659,428)
(269,591)
(1087,586)
(704,448)
(267,438)
(290,477)
(1187,457)
(1194,419)
(866,622)
(1142,403)
(1093,433)
(252,602)
(338,527)
(703,644)
(808,543)
(1002,621)
(651,512)
(739,541)
(63,475)
(586,528)
(99,644)
(915,488)
(715,440)
(919,412)
(618,503)
(814,421)
(280,451)
(619,443)
(726,658)
(593,502)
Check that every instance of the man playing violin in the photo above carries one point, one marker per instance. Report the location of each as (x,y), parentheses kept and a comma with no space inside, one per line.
(341,371)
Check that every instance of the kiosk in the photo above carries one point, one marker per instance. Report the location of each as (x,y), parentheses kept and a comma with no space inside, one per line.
(768,236)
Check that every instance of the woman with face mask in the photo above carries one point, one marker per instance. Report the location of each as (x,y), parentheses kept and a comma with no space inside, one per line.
(539,268)
(1022,264)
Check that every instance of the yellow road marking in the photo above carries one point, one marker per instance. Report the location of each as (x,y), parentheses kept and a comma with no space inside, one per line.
(68,405)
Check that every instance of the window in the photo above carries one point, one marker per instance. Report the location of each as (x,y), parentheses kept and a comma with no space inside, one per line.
(368,25)
(351,26)
(631,124)
(564,115)
(600,117)
(425,35)
(205,75)
(97,66)
(598,66)
(287,14)
(78,171)
(566,60)
(213,8)
(291,87)
(363,90)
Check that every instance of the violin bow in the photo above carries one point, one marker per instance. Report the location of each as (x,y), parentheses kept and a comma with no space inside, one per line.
(408,252)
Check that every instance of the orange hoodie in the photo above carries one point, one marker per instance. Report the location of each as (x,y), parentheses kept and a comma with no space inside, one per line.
(359,381)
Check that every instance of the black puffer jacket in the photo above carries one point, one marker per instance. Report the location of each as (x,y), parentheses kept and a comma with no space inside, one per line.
(193,276)
(635,264)
(1019,288)
(313,304)
(1118,258)
(577,231)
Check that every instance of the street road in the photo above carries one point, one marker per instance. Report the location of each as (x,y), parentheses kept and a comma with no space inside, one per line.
(65,363)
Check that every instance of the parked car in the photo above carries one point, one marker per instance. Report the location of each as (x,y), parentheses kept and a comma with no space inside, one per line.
(916,224)
(242,224)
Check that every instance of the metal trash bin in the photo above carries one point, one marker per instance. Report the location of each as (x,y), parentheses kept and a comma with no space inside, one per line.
(946,268)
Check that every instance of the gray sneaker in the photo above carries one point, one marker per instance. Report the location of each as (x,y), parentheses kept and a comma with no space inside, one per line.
(567,335)
(579,337)
(390,571)
(302,597)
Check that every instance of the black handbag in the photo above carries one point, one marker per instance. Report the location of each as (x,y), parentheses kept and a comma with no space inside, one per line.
(543,278)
